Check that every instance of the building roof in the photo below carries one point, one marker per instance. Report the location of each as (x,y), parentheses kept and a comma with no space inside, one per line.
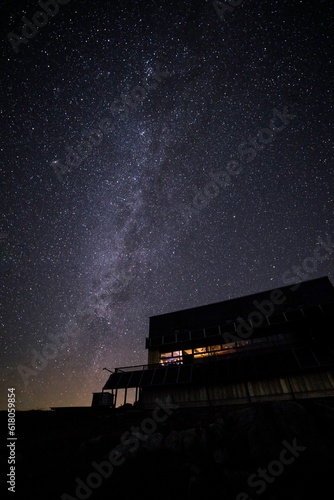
(307,293)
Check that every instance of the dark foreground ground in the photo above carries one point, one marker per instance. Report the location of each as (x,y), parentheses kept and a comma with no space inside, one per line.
(198,453)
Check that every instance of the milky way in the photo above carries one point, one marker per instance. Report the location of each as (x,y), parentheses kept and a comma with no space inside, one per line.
(130,229)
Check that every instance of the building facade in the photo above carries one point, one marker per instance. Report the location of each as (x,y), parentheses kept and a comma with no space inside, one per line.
(276,344)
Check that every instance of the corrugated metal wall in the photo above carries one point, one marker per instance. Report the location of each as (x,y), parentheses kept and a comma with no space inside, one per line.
(313,385)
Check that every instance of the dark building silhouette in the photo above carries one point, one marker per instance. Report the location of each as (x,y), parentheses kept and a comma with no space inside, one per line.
(276,344)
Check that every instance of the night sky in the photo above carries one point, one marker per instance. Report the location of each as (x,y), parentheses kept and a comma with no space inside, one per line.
(140,175)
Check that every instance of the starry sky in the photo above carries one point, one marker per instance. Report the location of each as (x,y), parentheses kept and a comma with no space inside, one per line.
(101,228)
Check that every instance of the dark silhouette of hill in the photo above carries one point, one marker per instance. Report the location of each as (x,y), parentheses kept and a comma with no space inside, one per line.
(195,453)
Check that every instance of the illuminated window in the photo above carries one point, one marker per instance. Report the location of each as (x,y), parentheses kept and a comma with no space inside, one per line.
(200,352)
(214,348)
(170,357)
